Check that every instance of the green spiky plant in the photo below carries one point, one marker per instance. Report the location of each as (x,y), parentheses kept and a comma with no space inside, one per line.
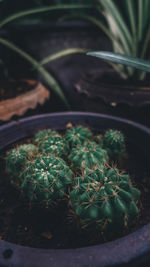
(56,146)
(44,134)
(77,135)
(113,141)
(89,155)
(17,157)
(51,142)
(105,197)
(45,180)
(102,198)
(127,25)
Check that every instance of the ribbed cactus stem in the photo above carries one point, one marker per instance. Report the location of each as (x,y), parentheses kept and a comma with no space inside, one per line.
(89,155)
(51,142)
(17,158)
(78,135)
(45,180)
(105,197)
(114,142)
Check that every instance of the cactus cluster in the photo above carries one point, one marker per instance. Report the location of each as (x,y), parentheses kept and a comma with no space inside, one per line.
(77,164)
(105,197)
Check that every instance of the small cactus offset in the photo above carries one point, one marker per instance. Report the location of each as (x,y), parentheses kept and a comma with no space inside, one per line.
(89,155)
(51,142)
(44,134)
(17,157)
(29,148)
(114,143)
(78,135)
(45,180)
(104,197)
(55,145)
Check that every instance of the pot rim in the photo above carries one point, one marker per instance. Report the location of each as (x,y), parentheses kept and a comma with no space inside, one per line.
(119,92)
(124,250)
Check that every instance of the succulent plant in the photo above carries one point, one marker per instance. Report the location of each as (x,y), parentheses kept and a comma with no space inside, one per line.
(114,143)
(44,134)
(89,155)
(78,135)
(54,145)
(17,157)
(105,197)
(29,148)
(45,180)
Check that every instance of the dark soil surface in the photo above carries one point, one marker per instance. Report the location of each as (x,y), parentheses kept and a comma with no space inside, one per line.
(13,88)
(32,226)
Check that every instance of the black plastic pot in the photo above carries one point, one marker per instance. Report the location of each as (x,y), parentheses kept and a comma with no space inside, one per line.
(131,250)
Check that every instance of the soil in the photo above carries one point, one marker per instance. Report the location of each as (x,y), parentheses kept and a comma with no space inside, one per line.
(15,87)
(31,226)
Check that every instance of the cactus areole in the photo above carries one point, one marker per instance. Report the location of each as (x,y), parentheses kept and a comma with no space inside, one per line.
(101,191)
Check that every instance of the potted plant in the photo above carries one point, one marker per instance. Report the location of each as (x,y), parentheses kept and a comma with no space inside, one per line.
(133,248)
(129,35)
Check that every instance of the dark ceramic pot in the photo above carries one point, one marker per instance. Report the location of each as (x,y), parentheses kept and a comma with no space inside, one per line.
(131,250)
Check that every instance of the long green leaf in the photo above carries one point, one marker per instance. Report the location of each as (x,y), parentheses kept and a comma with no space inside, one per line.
(62,53)
(132,17)
(99,24)
(122,59)
(44,73)
(124,33)
(41,10)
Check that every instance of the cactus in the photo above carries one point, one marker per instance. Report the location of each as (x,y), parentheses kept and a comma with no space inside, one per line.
(44,134)
(51,142)
(105,197)
(55,145)
(45,180)
(114,143)
(77,135)
(29,148)
(17,157)
(90,155)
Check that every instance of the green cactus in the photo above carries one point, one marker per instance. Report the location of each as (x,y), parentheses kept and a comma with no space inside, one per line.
(29,148)
(51,142)
(105,197)
(78,135)
(89,155)
(114,143)
(17,157)
(45,180)
(55,145)
(44,134)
